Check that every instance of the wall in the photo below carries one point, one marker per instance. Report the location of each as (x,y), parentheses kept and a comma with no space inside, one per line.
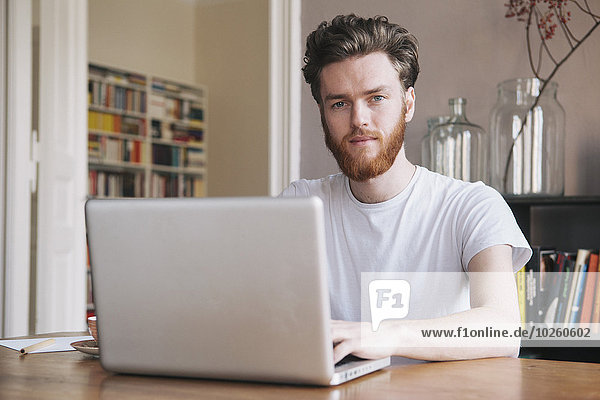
(233,60)
(149,36)
(466,48)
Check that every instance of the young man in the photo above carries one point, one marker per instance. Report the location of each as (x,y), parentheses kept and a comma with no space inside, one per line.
(386,215)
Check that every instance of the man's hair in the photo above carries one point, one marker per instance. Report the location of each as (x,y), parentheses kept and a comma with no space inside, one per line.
(350,36)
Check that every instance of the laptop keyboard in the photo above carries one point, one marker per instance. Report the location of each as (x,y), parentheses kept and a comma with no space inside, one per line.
(348,359)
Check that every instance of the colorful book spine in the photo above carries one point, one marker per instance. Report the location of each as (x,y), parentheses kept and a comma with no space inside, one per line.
(576,286)
(596,308)
(573,287)
(590,288)
(565,284)
(521,289)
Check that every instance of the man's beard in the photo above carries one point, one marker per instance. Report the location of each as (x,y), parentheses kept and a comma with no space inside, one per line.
(361,167)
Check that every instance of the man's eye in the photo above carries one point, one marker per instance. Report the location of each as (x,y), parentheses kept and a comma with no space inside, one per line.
(377,98)
(339,104)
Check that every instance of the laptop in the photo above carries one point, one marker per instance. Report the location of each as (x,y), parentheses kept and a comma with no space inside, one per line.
(220,288)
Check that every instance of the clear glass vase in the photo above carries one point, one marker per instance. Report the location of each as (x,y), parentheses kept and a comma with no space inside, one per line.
(458,147)
(527,161)
(432,122)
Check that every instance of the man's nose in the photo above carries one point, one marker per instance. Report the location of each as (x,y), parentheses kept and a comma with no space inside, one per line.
(360,115)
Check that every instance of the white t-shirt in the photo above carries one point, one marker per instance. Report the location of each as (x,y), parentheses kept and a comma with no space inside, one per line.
(436,224)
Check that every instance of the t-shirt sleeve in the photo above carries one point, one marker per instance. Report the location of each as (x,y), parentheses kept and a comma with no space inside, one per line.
(297,188)
(488,221)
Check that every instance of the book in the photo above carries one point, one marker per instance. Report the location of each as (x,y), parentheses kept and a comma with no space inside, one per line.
(552,265)
(596,308)
(156,129)
(194,158)
(166,155)
(565,283)
(157,106)
(520,278)
(193,186)
(547,266)
(131,126)
(535,291)
(196,113)
(578,296)
(582,255)
(590,288)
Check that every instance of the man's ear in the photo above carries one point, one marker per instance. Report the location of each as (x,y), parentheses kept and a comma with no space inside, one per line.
(409,100)
(321,109)
(323,121)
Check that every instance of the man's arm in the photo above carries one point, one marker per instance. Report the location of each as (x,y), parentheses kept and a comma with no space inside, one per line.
(494,305)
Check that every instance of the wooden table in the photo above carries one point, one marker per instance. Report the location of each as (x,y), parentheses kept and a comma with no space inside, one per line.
(74,375)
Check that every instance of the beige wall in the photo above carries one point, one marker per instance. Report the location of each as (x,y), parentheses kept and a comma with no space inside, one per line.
(466,48)
(150,36)
(222,44)
(233,61)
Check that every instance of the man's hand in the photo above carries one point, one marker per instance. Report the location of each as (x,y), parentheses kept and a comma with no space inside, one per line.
(357,338)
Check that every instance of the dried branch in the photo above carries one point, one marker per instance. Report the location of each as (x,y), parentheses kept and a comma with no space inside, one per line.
(542,40)
(530,53)
(563,26)
(587,10)
(546,32)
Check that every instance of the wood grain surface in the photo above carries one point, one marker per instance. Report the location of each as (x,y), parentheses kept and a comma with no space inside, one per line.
(74,375)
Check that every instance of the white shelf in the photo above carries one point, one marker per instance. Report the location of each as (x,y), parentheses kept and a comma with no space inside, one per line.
(187,123)
(117,135)
(176,143)
(119,83)
(96,163)
(178,170)
(110,110)
(194,94)
(155,179)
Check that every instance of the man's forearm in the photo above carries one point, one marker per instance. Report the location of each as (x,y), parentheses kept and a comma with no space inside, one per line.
(477,333)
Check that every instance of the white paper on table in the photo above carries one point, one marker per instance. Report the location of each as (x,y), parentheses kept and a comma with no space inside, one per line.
(62,343)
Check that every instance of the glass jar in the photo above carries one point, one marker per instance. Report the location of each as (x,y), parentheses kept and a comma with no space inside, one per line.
(458,147)
(432,122)
(530,161)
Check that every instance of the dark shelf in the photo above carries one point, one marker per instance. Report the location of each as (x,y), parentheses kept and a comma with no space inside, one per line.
(578,354)
(566,223)
(563,222)
(551,200)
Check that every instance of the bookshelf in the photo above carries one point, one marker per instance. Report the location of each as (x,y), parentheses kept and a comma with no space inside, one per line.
(567,224)
(146,136)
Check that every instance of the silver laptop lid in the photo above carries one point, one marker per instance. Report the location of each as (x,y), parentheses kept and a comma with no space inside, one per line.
(220,288)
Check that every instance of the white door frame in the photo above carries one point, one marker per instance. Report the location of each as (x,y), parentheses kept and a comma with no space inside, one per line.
(285,53)
(61,251)
(3,29)
(19,169)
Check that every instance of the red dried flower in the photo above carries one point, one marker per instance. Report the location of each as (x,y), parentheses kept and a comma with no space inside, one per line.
(545,11)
